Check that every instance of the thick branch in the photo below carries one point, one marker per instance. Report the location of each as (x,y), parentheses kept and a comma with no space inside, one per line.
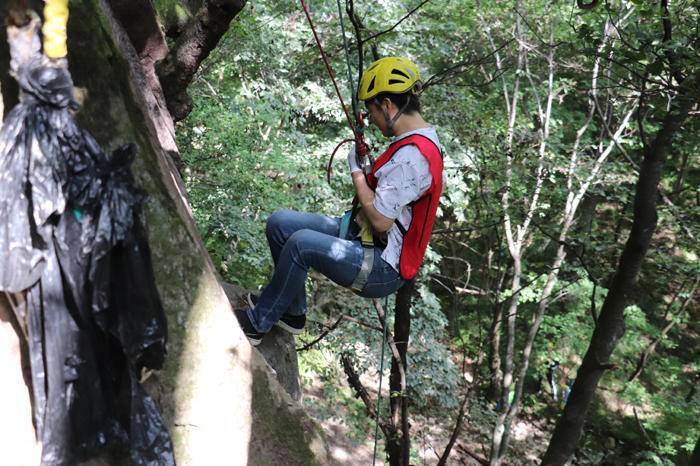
(397,447)
(455,433)
(695,459)
(193,46)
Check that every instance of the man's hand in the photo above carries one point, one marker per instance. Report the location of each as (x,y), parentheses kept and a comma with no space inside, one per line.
(357,156)
(353,162)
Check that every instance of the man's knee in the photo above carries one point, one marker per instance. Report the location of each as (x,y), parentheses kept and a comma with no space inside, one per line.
(300,237)
(275,222)
(304,243)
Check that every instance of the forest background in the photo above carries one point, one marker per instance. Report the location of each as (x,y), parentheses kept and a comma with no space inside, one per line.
(548,112)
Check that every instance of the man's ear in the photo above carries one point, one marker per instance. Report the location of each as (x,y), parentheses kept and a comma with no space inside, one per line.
(387,103)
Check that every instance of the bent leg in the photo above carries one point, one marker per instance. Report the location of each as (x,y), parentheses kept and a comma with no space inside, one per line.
(337,259)
(284,223)
(281,225)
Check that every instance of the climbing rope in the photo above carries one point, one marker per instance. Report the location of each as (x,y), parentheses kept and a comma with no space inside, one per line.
(357,127)
(381,376)
(351,83)
(330,71)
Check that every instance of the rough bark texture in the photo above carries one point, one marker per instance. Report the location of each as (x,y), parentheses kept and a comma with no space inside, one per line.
(278,348)
(218,396)
(140,23)
(496,375)
(611,322)
(399,448)
(202,35)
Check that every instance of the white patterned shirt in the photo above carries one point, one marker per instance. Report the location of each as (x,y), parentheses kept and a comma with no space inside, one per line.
(400,181)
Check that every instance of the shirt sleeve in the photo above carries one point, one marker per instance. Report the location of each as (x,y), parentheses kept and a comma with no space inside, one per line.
(402,180)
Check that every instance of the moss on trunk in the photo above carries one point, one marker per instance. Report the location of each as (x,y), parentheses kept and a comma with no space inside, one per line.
(216,393)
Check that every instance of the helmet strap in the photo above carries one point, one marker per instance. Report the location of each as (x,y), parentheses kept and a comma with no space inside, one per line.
(391,122)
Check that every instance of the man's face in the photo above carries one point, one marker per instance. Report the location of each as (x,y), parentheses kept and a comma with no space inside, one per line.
(377,117)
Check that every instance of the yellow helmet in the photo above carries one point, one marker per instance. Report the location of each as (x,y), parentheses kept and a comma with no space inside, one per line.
(395,75)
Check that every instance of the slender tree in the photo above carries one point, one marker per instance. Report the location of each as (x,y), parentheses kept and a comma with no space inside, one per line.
(611,322)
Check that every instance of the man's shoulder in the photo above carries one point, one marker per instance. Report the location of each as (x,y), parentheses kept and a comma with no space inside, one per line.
(428,132)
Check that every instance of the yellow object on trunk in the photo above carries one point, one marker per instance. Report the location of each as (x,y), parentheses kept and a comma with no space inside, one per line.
(55,27)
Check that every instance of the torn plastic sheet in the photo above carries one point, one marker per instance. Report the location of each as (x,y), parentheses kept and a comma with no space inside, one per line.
(73,244)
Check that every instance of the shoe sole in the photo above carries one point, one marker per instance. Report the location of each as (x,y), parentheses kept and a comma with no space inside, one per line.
(253,341)
(289,328)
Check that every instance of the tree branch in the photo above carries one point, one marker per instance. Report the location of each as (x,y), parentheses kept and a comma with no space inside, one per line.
(441,76)
(455,432)
(644,357)
(322,335)
(375,35)
(202,35)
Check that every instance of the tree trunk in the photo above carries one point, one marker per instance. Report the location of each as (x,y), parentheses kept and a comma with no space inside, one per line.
(611,324)
(216,393)
(202,35)
(695,459)
(398,454)
(495,457)
(496,375)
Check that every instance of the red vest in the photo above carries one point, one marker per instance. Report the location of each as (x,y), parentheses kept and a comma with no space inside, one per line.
(415,239)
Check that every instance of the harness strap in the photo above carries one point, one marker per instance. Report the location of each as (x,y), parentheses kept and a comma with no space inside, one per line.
(367,241)
(367,263)
(345,225)
(400,226)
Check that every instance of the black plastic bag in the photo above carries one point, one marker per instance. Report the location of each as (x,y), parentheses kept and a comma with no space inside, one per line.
(72,241)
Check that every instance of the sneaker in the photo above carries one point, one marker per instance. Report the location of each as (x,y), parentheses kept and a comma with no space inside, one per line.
(254,337)
(251,300)
(289,323)
(292,324)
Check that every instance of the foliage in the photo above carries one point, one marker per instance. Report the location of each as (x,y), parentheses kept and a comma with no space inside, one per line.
(266,119)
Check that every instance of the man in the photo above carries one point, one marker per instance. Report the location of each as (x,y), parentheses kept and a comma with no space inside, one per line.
(396,204)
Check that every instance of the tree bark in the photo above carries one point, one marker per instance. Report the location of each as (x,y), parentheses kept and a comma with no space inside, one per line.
(217,394)
(496,375)
(611,323)
(398,397)
(176,71)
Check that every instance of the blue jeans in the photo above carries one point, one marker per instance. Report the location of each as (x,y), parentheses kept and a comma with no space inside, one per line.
(299,241)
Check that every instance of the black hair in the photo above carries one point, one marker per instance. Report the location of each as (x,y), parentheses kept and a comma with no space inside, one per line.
(402,99)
